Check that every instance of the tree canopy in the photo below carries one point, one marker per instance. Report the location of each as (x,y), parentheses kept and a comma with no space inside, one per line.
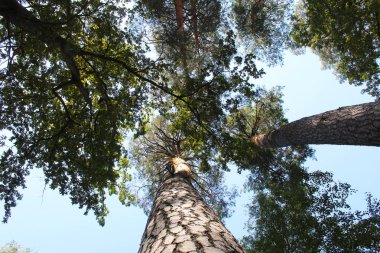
(91,89)
(346,36)
(264,26)
(293,210)
(67,103)
(62,100)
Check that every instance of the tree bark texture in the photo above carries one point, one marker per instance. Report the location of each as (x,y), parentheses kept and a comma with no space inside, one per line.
(181,222)
(350,125)
(180,18)
(194,22)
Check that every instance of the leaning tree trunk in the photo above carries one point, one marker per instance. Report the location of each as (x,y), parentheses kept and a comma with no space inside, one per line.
(180,221)
(350,125)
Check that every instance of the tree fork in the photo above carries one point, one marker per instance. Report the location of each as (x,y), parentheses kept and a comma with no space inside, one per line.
(180,221)
(350,125)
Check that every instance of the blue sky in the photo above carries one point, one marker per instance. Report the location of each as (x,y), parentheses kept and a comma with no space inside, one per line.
(46,222)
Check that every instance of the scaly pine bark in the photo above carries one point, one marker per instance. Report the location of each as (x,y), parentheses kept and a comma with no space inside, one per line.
(180,221)
(350,125)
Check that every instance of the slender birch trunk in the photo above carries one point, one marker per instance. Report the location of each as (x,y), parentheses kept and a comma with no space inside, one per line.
(180,221)
(350,125)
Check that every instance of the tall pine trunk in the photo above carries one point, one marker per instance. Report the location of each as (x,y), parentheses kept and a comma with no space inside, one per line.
(194,22)
(180,18)
(350,125)
(180,221)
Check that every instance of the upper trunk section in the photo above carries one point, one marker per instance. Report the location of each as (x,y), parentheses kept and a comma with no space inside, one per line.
(194,22)
(181,222)
(180,18)
(179,13)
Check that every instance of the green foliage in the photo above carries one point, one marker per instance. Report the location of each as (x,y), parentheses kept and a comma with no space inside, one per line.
(13,247)
(195,44)
(346,36)
(66,111)
(296,211)
(263,113)
(169,137)
(74,84)
(264,26)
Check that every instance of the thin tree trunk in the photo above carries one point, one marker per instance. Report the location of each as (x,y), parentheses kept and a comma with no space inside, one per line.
(194,21)
(180,221)
(351,125)
(179,13)
(180,18)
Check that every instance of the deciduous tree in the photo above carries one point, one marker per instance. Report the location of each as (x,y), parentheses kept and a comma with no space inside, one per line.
(69,88)
(293,210)
(346,36)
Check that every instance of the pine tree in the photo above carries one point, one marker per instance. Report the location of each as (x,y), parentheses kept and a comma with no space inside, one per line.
(350,125)
(190,200)
(180,220)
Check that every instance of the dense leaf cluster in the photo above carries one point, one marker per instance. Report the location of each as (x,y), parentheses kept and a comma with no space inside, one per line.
(264,26)
(346,36)
(66,98)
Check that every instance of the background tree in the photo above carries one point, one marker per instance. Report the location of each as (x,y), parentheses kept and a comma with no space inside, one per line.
(293,210)
(13,247)
(346,36)
(67,94)
(184,33)
(264,27)
(296,211)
